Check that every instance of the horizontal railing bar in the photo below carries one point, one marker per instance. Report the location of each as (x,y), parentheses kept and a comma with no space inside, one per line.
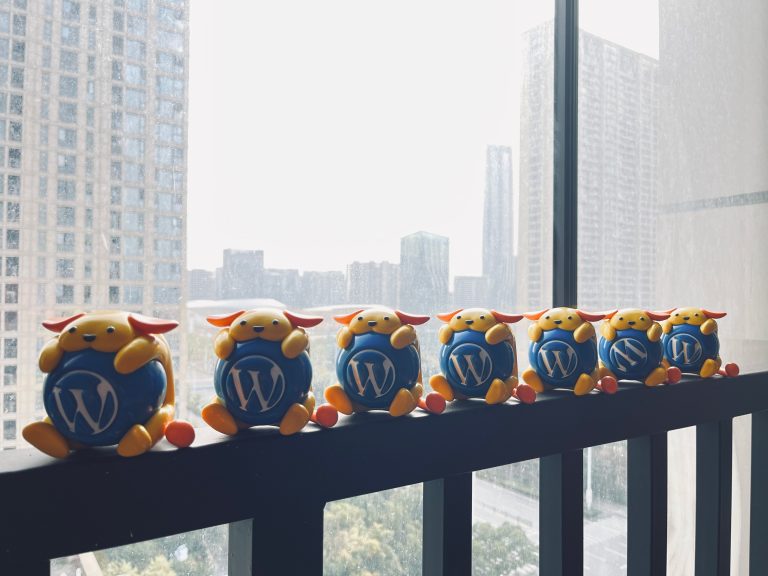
(114,501)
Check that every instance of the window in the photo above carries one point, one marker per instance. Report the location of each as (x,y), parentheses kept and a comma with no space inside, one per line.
(134,270)
(137,26)
(134,197)
(135,99)
(133,295)
(65,268)
(14,160)
(68,61)
(10,347)
(12,239)
(65,190)
(19,24)
(136,50)
(9,403)
(67,164)
(16,104)
(9,375)
(65,242)
(133,246)
(70,10)
(9,430)
(65,294)
(70,35)
(67,112)
(67,87)
(170,63)
(134,123)
(67,137)
(11,320)
(65,216)
(18,51)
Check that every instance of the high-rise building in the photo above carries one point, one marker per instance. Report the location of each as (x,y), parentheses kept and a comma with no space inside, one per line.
(323,288)
(423,272)
(617,173)
(93,124)
(202,285)
(498,228)
(373,283)
(471,291)
(242,274)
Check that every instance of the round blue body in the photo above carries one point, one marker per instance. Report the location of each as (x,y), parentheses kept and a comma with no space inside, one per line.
(687,348)
(631,355)
(89,402)
(470,364)
(372,371)
(559,360)
(258,384)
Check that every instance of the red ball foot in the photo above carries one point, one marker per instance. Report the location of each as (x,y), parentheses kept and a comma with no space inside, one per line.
(731,369)
(325,416)
(608,384)
(180,433)
(433,403)
(525,394)
(674,375)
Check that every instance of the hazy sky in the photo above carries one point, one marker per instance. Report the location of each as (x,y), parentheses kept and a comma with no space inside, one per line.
(322,132)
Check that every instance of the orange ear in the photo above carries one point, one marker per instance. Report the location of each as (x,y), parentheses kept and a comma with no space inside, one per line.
(590,316)
(348,318)
(536,315)
(414,319)
(447,316)
(658,315)
(224,320)
(511,318)
(57,324)
(148,325)
(711,314)
(303,321)
(667,311)
(611,314)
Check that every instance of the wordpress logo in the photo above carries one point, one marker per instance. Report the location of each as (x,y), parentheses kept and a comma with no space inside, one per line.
(558,359)
(628,353)
(258,382)
(88,395)
(471,364)
(685,349)
(371,370)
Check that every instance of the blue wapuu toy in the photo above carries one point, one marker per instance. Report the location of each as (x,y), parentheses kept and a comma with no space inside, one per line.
(478,357)
(264,374)
(109,381)
(691,344)
(563,350)
(378,365)
(630,347)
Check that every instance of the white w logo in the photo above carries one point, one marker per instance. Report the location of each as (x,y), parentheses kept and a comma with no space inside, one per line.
(475,352)
(631,351)
(266,400)
(104,390)
(685,349)
(370,373)
(553,360)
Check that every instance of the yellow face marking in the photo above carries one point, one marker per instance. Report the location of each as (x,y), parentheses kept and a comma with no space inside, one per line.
(378,320)
(477,319)
(100,331)
(692,316)
(564,318)
(265,323)
(631,318)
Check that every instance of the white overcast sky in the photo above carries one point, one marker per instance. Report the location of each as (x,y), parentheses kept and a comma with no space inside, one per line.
(322,132)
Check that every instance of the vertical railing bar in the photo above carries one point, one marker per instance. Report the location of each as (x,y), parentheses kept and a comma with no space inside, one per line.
(714,448)
(284,540)
(758,517)
(561,515)
(447,541)
(647,506)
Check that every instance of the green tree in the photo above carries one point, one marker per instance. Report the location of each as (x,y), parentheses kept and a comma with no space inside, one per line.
(501,550)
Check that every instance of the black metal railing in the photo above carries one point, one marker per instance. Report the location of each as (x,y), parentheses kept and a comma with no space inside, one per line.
(272,489)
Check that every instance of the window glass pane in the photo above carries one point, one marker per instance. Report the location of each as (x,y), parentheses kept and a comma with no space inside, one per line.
(672,196)
(505,520)
(192,553)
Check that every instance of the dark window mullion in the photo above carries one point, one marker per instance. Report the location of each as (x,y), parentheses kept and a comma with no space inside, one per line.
(448,526)
(758,523)
(561,510)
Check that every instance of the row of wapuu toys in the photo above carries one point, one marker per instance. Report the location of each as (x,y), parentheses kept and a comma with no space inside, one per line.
(110,377)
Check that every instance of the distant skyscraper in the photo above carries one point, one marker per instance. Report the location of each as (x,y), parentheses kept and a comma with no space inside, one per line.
(423,272)
(323,288)
(242,274)
(471,291)
(617,173)
(92,174)
(202,285)
(498,228)
(373,283)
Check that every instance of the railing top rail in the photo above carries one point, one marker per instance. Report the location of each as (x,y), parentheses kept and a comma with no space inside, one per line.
(98,500)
